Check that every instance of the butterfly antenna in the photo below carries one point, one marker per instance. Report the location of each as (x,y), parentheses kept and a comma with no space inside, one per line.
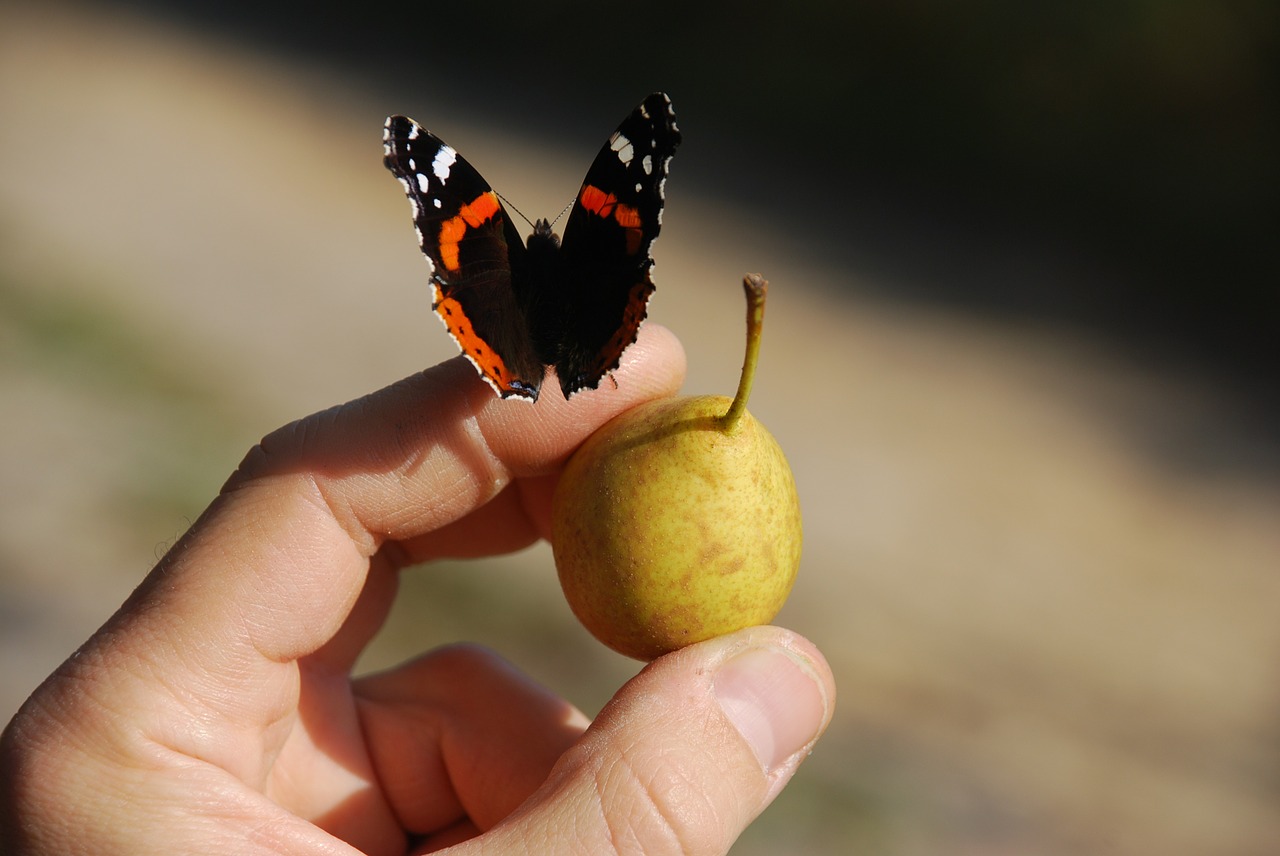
(561,214)
(508,204)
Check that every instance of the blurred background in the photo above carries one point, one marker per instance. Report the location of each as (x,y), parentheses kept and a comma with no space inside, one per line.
(1020,349)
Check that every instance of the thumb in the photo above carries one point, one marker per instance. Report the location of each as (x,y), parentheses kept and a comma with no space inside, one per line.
(687,754)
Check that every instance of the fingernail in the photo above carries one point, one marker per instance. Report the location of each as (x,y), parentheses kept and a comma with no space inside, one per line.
(773,700)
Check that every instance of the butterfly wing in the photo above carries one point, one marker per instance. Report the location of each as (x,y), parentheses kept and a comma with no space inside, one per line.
(471,245)
(603,280)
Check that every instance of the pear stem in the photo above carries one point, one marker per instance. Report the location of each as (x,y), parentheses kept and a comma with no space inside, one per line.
(756,287)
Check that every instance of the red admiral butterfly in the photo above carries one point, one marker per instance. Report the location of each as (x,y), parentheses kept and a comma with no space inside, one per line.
(574,304)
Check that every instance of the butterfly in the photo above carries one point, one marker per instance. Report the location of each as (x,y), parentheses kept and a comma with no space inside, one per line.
(575,303)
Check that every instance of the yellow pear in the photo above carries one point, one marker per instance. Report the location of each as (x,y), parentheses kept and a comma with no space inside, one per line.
(678,520)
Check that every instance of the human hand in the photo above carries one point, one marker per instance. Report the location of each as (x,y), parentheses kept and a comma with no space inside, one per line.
(215,712)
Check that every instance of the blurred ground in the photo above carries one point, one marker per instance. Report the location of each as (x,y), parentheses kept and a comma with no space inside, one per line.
(1046,576)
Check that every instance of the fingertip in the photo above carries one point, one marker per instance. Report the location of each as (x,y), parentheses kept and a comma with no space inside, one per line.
(657,360)
(773,686)
(536,441)
(693,748)
(779,697)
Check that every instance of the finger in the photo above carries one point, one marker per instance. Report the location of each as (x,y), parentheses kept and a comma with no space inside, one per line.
(532,440)
(271,570)
(459,738)
(290,539)
(686,755)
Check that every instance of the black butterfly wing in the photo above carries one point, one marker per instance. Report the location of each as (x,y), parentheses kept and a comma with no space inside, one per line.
(603,282)
(471,245)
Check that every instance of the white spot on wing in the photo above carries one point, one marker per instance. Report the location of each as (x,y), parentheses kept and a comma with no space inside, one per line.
(622,147)
(424,183)
(647,163)
(443,162)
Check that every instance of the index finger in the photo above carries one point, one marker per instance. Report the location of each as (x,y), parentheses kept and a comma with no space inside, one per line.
(278,560)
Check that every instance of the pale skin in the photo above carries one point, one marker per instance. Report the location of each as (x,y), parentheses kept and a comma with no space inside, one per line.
(216,713)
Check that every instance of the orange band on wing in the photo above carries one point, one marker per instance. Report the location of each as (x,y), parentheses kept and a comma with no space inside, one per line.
(477,350)
(627,217)
(480,209)
(604,204)
(473,214)
(451,231)
(597,201)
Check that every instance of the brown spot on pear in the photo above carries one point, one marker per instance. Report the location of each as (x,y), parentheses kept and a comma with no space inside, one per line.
(678,520)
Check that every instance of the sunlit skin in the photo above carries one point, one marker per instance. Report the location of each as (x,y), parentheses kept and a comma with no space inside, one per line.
(216,711)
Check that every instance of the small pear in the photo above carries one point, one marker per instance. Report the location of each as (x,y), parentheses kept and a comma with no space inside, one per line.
(678,520)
